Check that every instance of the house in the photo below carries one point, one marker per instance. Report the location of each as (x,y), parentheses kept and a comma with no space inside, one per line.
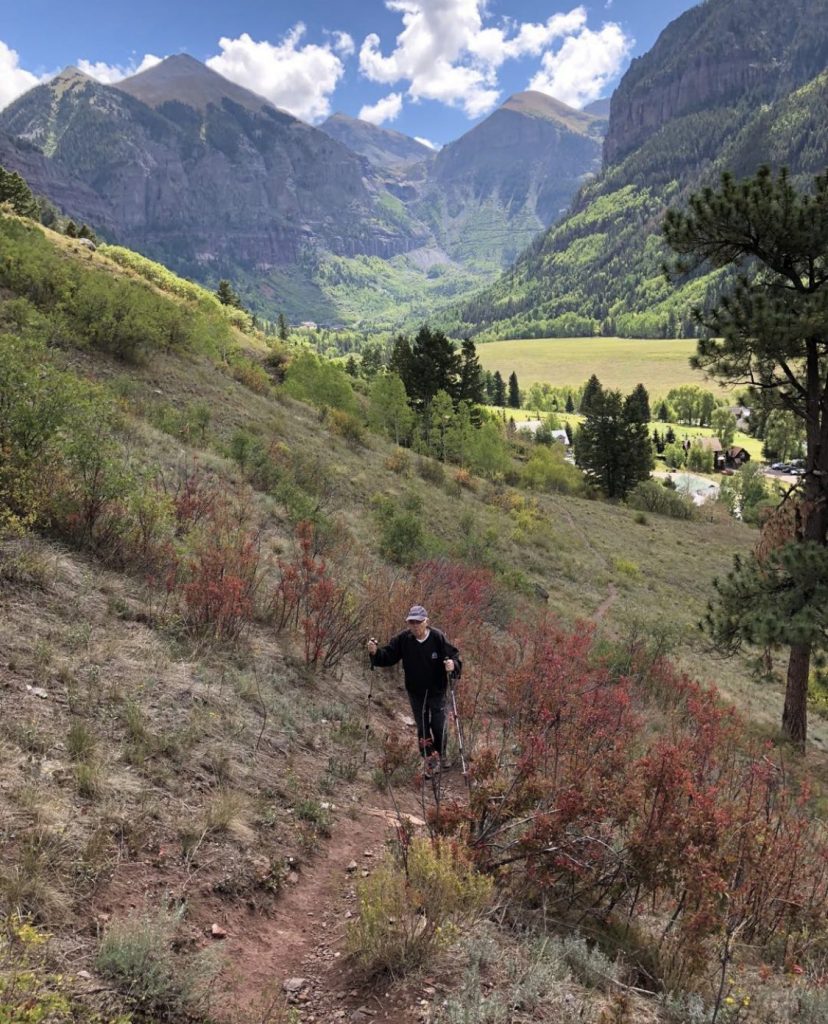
(714,445)
(736,456)
(742,414)
(533,426)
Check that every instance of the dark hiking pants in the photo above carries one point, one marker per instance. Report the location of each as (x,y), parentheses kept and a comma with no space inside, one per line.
(429,710)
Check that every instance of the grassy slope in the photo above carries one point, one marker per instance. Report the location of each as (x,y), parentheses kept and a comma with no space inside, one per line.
(208,759)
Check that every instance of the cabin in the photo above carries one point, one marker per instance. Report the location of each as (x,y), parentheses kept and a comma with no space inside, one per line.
(714,445)
(736,456)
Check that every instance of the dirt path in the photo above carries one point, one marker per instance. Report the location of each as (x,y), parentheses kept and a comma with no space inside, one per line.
(301,945)
(606,604)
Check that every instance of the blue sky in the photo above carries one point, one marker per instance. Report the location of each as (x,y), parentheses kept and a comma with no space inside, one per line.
(429,68)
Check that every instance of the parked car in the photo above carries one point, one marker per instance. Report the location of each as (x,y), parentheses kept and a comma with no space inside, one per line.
(781,467)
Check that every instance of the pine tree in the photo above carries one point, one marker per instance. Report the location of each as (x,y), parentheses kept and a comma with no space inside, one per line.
(770,328)
(663,412)
(613,450)
(639,404)
(591,392)
(226,294)
(570,405)
(498,390)
(470,387)
(282,329)
(514,391)
(434,366)
(15,190)
(351,367)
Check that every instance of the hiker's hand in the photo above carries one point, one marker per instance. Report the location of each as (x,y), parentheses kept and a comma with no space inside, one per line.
(372,647)
(449,665)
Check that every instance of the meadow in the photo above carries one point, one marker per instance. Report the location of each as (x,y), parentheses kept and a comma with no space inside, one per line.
(659,364)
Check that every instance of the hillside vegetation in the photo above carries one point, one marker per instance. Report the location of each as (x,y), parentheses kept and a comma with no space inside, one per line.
(191,560)
(729,85)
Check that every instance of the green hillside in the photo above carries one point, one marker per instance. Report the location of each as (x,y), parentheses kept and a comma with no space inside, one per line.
(196,789)
(747,97)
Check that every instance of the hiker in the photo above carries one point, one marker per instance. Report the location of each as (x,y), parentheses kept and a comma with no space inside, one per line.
(427,658)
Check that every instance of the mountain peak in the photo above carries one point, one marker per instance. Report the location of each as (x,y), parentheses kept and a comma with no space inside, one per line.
(539,104)
(69,78)
(184,79)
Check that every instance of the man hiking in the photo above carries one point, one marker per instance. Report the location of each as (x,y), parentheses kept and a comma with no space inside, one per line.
(427,658)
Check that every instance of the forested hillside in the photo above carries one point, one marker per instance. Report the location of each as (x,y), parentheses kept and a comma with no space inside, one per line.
(729,85)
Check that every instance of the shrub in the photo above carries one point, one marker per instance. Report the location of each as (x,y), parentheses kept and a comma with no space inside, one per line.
(136,954)
(548,470)
(347,426)
(409,910)
(650,496)
(307,598)
(463,478)
(249,373)
(432,471)
(399,463)
(402,538)
(323,384)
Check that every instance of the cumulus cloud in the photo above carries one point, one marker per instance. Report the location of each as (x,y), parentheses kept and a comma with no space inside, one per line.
(343,43)
(299,78)
(383,110)
(14,80)
(427,142)
(583,66)
(446,52)
(110,73)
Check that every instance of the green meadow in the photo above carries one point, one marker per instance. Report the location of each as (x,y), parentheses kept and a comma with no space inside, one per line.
(659,364)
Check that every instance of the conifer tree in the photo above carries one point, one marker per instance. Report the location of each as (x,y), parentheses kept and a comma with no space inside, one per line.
(570,405)
(514,391)
(282,329)
(613,448)
(639,404)
(470,387)
(770,330)
(498,390)
(227,295)
(15,190)
(591,392)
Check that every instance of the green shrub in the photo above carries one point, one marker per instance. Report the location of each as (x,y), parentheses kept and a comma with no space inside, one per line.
(136,954)
(431,471)
(402,538)
(651,496)
(347,426)
(322,383)
(548,470)
(392,932)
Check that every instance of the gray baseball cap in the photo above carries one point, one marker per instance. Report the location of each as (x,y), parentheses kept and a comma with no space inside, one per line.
(416,613)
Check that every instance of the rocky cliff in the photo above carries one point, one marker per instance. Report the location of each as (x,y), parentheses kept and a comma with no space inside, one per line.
(715,55)
(195,170)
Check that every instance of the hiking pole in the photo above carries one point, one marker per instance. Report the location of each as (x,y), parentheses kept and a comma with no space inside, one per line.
(457,723)
(368,705)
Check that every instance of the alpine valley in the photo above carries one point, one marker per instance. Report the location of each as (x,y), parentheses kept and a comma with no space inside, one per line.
(345,223)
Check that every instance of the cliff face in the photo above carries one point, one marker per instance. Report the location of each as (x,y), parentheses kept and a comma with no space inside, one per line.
(715,55)
(209,178)
(728,86)
(389,150)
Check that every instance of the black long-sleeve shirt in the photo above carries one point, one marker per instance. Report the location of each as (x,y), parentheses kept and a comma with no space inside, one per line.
(422,662)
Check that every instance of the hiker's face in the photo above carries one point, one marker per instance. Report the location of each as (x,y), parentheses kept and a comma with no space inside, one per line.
(418,628)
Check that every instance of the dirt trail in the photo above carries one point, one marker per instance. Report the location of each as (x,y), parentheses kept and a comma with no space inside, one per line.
(606,604)
(304,936)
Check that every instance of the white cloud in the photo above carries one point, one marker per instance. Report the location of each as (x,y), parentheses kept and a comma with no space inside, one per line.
(14,80)
(427,142)
(383,110)
(343,43)
(297,78)
(110,73)
(446,52)
(584,65)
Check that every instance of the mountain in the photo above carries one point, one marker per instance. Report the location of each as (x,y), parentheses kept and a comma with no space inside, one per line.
(728,85)
(194,168)
(511,175)
(183,79)
(384,148)
(349,223)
